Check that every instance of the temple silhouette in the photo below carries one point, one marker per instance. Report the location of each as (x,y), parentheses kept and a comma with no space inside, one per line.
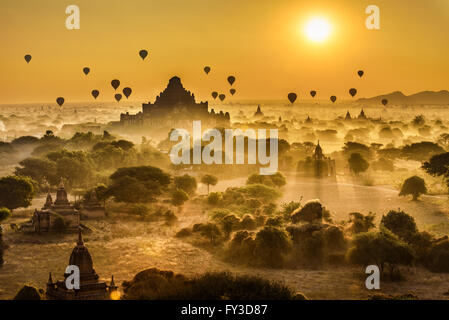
(173,106)
(90,286)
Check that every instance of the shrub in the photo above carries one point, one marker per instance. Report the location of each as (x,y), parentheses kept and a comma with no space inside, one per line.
(186,183)
(248,222)
(361,223)
(184,232)
(311,212)
(271,244)
(400,223)
(28,293)
(439,257)
(154,284)
(381,248)
(214,198)
(179,197)
(334,238)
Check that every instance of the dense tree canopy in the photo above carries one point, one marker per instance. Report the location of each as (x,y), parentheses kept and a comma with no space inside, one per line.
(16,192)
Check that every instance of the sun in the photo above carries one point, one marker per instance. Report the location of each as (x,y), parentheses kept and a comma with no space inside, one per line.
(317,29)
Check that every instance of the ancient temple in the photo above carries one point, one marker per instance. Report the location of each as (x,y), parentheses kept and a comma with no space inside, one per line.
(92,207)
(318,165)
(56,216)
(362,115)
(90,286)
(259,112)
(172,105)
(348,116)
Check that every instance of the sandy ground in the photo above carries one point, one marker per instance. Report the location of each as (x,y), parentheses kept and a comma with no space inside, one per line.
(125,248)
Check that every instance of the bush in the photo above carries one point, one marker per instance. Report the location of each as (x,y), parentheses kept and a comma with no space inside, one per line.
(361,223)
(179,197)
(277,221)
(311,212)
(274,180)
(214,198)
(334,238)
(439,257)
(381,248)
(184,232)
(5,213)
(28,293)
(186,183)
(248,222)
(400,223)
(271,245)
(154,284)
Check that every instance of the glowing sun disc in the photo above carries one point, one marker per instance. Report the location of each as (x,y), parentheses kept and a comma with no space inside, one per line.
(317,29)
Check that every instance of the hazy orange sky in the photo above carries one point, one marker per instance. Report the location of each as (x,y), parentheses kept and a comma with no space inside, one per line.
(260,42)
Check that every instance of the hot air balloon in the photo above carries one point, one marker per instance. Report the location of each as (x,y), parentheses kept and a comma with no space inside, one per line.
(333,99)
(118,97)
(313,93)
(232,91)
(292,97)
(86,71)
(221,97)
(353,92)
(215,94)
(95,93)
(127,92)
(384,102)
(115,84)
(206,69)
(28,58)
(360,73)
(231,80)
(60,101)
(143,54)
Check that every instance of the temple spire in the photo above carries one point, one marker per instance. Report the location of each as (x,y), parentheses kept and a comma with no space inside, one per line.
(50,279)
(112,281)
(80,238)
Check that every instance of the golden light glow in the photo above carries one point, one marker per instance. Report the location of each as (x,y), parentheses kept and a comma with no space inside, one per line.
(317,29)
(115,295)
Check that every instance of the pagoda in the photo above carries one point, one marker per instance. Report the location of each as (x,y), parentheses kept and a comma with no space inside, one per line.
(90,286)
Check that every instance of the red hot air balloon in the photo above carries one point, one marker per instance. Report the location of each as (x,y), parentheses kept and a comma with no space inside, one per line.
(206,69)
(143,54)
(333,99)
(60,101)
(384,102)
(28,58)
(118,97)
(292,97)
(231,80)
(352,92)
(115,84)
(313,93)
(127,92)
(214,95)
(95,93)
(221,97)
(86,71)
(360,73)
(232,91)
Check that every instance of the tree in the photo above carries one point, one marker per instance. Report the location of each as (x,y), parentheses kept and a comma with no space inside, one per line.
(40,170)
(179,197)
(153,178)
(103,193)
(381,248)
(271,245)
(186,183)
(209,180)
(276,179)
(130,190)
(400,223)
(4,214)
(357,163)
(438,166)
(414,186)
(16,192)
(421,151)
(311,212)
